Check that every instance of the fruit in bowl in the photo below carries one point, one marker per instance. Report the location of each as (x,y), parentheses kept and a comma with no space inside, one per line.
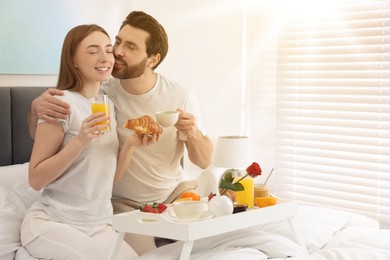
(189,195)
(188,210)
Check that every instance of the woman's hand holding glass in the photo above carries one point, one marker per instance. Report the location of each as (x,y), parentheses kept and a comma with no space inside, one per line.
(91,129)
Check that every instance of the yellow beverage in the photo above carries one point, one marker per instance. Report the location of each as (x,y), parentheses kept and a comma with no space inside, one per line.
(247,195)
(102,107)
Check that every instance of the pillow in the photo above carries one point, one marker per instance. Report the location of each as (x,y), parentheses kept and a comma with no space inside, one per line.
(15,197)
(12,210)
(14,176)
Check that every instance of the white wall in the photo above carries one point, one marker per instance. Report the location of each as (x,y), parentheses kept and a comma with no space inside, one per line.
(264,20)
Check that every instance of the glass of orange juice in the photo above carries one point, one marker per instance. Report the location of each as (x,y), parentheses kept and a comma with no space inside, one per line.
(100,104)
(247,195)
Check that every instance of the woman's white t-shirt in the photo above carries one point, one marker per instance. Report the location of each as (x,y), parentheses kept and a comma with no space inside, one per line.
(82,194)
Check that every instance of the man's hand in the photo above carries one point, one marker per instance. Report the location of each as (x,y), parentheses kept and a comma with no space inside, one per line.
(47,107)
(150,139)
(199,146)
(186,123)
(144,140)
(50,108)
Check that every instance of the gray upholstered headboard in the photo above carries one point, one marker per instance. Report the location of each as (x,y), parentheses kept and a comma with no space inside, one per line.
(15,141)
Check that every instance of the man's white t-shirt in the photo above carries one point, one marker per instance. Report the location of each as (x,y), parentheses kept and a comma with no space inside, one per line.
(154,171)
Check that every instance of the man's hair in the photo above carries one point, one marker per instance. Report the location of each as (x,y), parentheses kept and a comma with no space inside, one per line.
(69,76)
(158,40)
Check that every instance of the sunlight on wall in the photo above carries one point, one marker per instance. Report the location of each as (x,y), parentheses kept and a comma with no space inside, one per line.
(244,120)
(309,9)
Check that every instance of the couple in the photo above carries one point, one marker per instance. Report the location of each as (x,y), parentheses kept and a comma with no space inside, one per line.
(77,168)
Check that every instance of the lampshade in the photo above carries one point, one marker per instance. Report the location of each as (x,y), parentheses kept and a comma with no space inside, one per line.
(233,152)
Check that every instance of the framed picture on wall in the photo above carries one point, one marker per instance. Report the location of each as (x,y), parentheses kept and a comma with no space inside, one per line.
(32,32)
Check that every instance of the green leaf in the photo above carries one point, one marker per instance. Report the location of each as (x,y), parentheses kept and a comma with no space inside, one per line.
(226,185)
(229,177)
(238,186)
(231,186)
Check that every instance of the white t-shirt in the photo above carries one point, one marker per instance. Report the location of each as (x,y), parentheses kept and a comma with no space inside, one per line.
(82,194)
(154,171)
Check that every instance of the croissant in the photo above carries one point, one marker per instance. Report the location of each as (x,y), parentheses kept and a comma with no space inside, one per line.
(144,125)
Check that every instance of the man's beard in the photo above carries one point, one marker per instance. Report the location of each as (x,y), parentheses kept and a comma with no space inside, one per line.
(134,71)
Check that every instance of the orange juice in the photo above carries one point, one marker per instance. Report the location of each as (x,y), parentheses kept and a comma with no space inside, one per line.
(102,107)
(247,195)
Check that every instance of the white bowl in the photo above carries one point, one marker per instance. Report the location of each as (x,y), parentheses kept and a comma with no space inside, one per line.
(188,210)
(167,118)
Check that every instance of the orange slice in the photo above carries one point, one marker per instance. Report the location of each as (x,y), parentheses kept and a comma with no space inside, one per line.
(262,202)
(184,199)
(190,194)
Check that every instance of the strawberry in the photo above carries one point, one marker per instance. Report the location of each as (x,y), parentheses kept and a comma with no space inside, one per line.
(211,195)
(149,208)
(154,208)
(161,207)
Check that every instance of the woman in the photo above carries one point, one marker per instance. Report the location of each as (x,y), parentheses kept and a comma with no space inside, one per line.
(75,167)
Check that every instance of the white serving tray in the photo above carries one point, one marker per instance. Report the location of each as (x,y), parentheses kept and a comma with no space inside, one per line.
(163,225)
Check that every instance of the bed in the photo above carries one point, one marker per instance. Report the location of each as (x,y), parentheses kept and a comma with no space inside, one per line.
(326,233)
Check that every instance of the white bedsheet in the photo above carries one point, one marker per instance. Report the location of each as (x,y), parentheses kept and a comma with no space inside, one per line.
(23,254)
(326,234)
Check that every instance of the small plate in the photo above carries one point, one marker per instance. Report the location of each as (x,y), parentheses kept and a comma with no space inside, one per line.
(205,215)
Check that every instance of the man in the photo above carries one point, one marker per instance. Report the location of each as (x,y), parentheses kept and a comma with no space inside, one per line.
(155,173)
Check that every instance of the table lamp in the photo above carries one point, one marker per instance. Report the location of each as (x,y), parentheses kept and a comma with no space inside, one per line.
(234,154)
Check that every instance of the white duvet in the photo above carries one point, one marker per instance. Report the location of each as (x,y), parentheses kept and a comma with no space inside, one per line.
(324,234)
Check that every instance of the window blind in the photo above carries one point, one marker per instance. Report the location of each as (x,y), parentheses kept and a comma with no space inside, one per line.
(333,109)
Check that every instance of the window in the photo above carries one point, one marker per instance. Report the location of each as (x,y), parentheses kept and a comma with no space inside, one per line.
(333,109)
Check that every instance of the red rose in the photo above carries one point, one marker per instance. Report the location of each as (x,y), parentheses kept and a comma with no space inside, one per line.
(254,170)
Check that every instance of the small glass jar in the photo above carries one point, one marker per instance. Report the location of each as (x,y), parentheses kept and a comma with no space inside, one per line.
(261,190)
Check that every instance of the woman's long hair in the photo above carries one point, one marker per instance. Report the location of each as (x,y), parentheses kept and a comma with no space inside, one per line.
(69,76)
